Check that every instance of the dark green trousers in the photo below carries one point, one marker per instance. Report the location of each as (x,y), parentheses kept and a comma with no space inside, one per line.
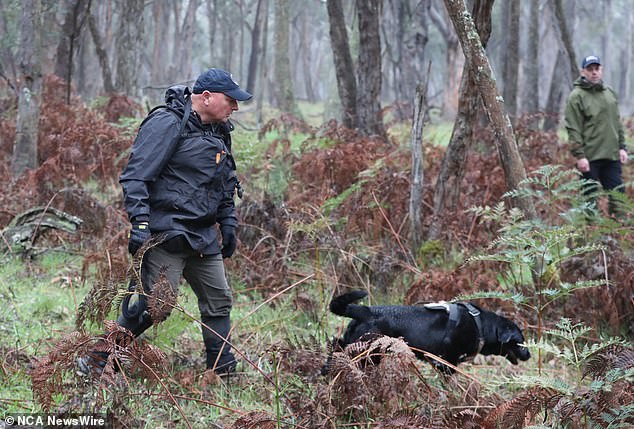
(206,276)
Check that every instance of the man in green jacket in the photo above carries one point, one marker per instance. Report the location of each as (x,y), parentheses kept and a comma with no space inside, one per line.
(595,131)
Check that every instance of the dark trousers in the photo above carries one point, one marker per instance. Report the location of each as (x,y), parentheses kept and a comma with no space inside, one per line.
(608,174)
(206,276)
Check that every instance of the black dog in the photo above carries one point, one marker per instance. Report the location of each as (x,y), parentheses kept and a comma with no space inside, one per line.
(454,332)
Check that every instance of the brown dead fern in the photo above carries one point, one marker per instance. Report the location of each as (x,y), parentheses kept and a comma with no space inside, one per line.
(515,413)
(162,299)
(611,357)
(47,372)
(97,303)
(255,420)
(377,375)
(405,422)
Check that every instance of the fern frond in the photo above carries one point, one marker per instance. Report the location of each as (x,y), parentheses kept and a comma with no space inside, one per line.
(162,299)
(255,420)
(97,303)
(516,297)
(47,372)
(513,414)
(404,422)
(607,358)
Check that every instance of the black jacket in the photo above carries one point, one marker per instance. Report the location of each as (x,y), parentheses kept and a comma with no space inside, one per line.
(183,185)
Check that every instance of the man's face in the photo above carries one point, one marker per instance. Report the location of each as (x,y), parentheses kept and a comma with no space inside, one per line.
(593,73)
(220,107)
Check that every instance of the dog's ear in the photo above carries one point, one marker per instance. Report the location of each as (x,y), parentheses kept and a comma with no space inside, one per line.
(510,334)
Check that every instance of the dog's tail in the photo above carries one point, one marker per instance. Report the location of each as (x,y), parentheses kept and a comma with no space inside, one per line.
(341,305)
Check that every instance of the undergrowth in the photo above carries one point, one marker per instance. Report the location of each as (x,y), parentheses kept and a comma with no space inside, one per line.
(325,211)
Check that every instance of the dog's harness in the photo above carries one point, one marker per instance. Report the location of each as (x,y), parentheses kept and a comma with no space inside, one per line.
(454,316)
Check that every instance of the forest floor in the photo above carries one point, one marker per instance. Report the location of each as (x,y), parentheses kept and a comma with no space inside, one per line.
(325,211)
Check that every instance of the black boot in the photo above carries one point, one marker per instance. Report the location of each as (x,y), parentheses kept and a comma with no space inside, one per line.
(219,356)
(134,314)
(134,317)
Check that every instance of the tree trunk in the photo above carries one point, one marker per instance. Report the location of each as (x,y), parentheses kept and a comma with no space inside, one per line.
(626,60)
(566,39)
(186,40)
(566,60)
(102,55)
(405,36)
(67,46)
(305,54)
(454,63)
(8,68)
(417,174)
(285,97)
(256,44)
(477,61)
(344,68)
(531,65)
(262,77)
(160,51)
(29,99)
(555,94)
(129,41)
(451,173)
(512,59)
(606,40)
(369,69)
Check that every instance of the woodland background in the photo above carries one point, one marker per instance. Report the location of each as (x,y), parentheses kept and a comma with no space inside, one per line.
(374,155)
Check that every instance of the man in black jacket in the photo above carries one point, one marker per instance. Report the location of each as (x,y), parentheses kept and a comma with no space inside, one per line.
(178,185)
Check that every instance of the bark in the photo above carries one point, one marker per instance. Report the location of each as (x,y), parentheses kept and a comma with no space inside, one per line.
(68,43)
(129,41)
(102,55)
(305,55)
(29,99)
(405,36)
(87,65)
(626,60)
(369,69)
(477,61)
(160,50)
(606,40)
(285,96)
(256,44)
(417,174)
(8,67)
(555,93)
(511,59)
(531,65)
(452,168)
(565,70)
(344,68)
(262,77)
(186,40)
(566,38)
(212,6)
(240,28)
(454,62)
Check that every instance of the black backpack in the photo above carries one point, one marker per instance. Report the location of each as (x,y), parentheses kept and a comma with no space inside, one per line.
(181,95)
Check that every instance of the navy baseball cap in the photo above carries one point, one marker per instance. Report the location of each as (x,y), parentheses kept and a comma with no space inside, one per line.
(590,59)
(218,80)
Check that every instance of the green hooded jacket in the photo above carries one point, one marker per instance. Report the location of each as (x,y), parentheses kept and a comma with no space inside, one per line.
(593,121)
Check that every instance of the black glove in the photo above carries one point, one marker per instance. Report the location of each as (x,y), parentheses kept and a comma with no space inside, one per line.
(228,240)
(139,234)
